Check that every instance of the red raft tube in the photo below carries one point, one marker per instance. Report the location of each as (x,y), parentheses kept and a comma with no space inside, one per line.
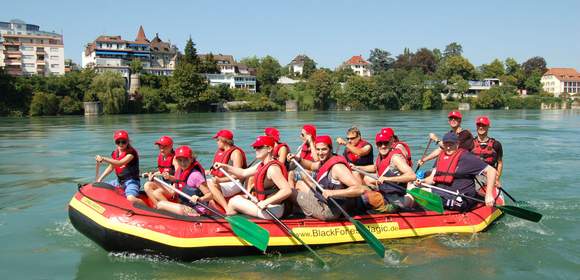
(101,212)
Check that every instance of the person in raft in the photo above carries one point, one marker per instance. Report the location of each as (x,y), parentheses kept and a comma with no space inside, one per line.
(270,182)
(335,177)
(487,148)
(305,151)
(464,136)
(357,151)
(281,149)
(455,170)
(400,145)
(228,153)
(124,161)
(190,179)
(166,167)
(393,172)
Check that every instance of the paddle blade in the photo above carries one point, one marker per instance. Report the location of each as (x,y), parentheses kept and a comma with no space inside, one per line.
(370,238)
(521,213)
(427,200)
(249,231)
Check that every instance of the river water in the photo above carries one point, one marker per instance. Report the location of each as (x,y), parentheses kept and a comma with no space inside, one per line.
(42,160)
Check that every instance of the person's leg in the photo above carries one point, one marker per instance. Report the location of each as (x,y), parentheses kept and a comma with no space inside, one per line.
(313,207)
(177,208)
(150,189)
(132,191)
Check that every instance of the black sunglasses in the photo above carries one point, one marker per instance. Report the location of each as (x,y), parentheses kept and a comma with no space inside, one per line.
(120,142)
(379,144)
(351,138)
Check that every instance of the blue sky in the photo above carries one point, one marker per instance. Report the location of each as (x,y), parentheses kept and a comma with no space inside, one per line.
(327,31)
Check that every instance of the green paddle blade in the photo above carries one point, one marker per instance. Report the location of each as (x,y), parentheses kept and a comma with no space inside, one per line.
(521,213)
(249,231)
(369,237)
(427,200)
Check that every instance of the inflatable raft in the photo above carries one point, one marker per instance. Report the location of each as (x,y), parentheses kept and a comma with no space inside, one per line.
(101,212)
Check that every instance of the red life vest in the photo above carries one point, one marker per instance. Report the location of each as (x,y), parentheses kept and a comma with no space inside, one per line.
(224,157)
(276,150)
(328,164)
(306,153)
(166,165)
(382,163)
(260,176)
(182,175)
(447,167)
(131,169)
(485,151)
(356,159)
(407,151)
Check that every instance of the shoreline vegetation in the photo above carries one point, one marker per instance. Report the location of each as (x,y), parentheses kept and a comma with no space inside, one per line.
(410,81)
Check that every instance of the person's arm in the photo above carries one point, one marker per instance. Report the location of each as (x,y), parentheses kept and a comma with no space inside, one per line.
(407,173)
(490,174)
(430,179)
(341,173)
(499,151)
(236,172)
(367,168)
(274,173)
(310,142)
(431,156)
(105,173)
(282,153)
(126,159)
(361,152)
(237,159)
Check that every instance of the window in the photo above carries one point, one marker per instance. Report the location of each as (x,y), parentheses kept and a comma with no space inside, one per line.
(28,57)
(54,57)
(54,49)
(26,48)
(28,65)
(54,66)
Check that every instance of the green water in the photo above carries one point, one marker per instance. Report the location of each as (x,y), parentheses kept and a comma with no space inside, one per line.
(42,160)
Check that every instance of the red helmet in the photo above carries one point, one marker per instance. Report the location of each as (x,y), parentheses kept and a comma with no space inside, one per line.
(324,139)
(455,114)
(164,141)
(263,141)
(384,136)
(183,151)
(483,120)
(121,134)
(225,133)
(273,132)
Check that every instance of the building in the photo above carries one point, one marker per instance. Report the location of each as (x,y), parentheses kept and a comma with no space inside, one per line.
(358,65)
(25,50)
(561,80)
(113,53)
(296,66)
(233,74)
(476,86)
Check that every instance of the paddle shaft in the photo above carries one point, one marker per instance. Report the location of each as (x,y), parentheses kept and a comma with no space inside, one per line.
(501,189)
(168,186)
(453,193)
(284,226)
(424,153)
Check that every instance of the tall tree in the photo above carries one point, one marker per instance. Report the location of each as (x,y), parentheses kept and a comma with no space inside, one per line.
(425,60)
(308,68)
(493,70)
(456,65)
(109,88)
(511,66)
(535,63)
(190,53)
(208,65)
(187,84)
(404,60)
(252,61)
(323,86)
(380,60)
(268,72)
(453,49)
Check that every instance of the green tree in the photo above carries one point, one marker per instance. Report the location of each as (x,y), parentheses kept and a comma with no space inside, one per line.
(15,94)
(380,60)
(209,65)
(152,100)
(511,66)
(252,61)
(425,60)
(268,72)
(109,88)
(323,85)
(70,106)
(404,60)
(308,68)
(494,98)
(187,84)
(456,65)
(410,89)
(190,54)
(136,66)
(533,83)
(342,74)
(493,70)
(387,84)
(458,85)
(453,49)
(359,93)
(535,63)
(44,104)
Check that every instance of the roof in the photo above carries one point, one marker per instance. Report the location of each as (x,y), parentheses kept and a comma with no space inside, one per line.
(112,39)
(220,58)
(298,60)
(356,60)
(158,45)
(141,38)
(567,74)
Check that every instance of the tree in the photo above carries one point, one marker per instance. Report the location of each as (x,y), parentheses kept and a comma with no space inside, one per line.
(535,63)
(380,60)
(386,89)
(44,104)
(460,85)
(323,86)
(425,60)
(410,89)
(187,84)
(511,66)
(493,70)
(494,98)
(431,100)
(109,88)
(359,93)
(404,60)
(136,66)
(15,94)
(308,68)
(268,71)
(252,61)
(456,65)
(533,83)
(152,100)
(209,65)
(453,49)
(70,106)
(190,54)
(342,74)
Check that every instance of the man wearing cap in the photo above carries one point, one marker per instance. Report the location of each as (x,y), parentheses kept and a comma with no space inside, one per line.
(166,166)
(270,177)
(357,151)
(487,148)
(455,170)
(335,177)
(464,136)
(124,161)
(228,153)
(190,179)
(393,174)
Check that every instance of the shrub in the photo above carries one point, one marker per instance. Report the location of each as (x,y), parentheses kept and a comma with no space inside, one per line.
(44,104)
(70,106)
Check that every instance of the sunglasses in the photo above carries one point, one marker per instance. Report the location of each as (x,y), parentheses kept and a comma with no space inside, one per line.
(259,148)
(455,119)
(351,138)
(120,142)
(381,144)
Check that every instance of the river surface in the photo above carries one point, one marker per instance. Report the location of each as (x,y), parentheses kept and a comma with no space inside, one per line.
(43,159)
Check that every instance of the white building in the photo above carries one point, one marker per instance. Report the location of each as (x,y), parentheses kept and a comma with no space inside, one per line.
(113,53)
(296,66)
(476,86)
(359,66)
(233,74)
(561,80)
(25,50)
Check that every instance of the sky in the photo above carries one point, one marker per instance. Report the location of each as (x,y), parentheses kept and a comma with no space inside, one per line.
(329,32)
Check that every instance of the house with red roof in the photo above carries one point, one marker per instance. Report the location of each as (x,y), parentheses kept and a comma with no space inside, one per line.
(359,66)
(561,81)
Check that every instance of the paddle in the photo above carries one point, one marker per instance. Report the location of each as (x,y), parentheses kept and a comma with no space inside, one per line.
(508,209)
(97,166)
(284,226)
(371,240)
(424,153)
(429,201)
(500,189)
(242,227)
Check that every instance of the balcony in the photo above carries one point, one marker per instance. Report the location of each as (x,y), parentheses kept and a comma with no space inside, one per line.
(13,62)
(13,54)
(40,62)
